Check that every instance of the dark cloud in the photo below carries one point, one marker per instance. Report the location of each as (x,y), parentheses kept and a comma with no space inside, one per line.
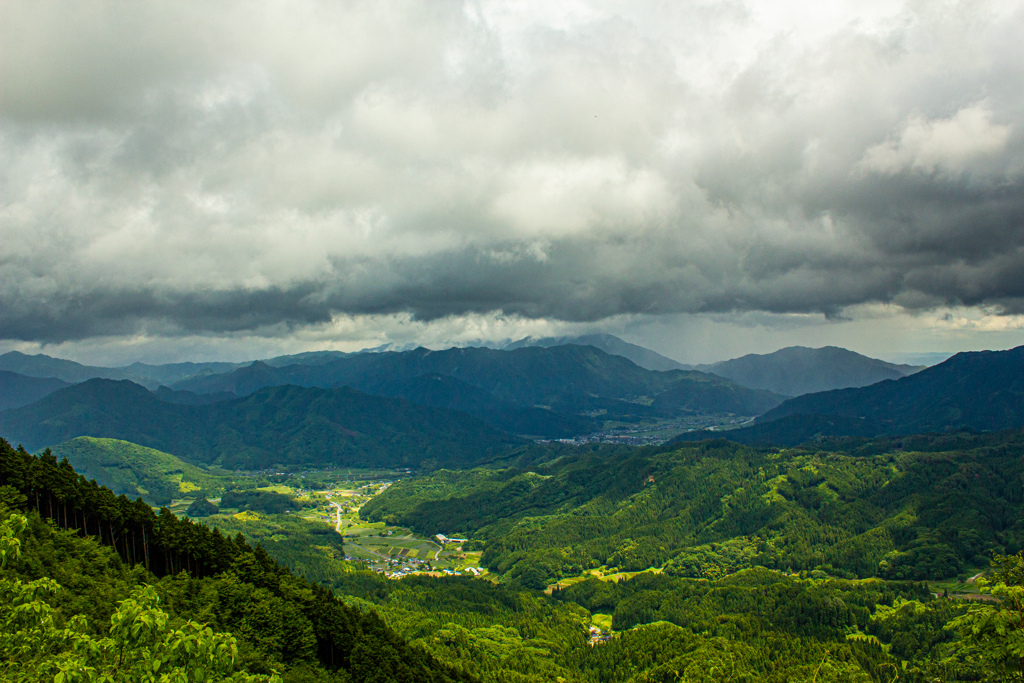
(183,169)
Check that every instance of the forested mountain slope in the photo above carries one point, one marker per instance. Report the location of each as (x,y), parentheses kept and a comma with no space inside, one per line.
(133,470)
(20,390)
(95,560)
(101,550)
(917,507)
(569,380)
(608,343)
(798,370)
(444,391)
(285,424)
(982,390)
(555,392)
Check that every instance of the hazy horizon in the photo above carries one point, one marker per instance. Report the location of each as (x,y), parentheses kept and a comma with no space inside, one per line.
(910,358)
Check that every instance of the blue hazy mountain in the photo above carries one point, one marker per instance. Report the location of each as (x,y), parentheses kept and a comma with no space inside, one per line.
(276,425)
(798,370)
(644,357)
(20,390)
(570,380)
(981,391)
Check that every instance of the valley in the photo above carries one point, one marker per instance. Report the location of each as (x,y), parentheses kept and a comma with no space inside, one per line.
(657,431)
(650,545)
(511,342)
(333,498)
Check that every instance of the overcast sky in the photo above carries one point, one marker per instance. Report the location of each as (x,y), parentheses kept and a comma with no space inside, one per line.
(229,180)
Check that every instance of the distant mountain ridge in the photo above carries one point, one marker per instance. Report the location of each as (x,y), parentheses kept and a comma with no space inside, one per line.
(286,425)
(41,365)
(981,390)
(644,357)
(150,376)
(798,370)
(571,380)
(535,390)
(19,390)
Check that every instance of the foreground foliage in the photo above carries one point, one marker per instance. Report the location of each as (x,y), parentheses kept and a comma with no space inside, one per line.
(140,645)
(993,633)
(112,547)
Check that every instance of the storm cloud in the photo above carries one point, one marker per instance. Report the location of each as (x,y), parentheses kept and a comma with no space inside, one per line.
(183,168)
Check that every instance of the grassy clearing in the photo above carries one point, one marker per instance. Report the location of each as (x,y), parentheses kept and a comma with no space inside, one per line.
(599,573)
(278,488)
(967,588)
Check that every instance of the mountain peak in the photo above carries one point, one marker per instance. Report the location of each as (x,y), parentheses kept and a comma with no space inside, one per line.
(798,370)
(610,344)
(975,390)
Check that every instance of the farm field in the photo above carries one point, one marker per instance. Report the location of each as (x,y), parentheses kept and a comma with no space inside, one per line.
(330,501)
(393,550)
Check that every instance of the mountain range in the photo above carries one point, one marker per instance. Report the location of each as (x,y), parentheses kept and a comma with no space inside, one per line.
(569,381)
(978,390)
(277,425)
(542,388)
(151,376)
(20,390)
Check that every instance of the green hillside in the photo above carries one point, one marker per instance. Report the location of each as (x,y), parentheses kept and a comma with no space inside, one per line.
(99,584)
(920,508)
(135,470)
(94,587)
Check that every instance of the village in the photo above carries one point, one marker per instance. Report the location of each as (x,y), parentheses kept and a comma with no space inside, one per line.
(389,550)
(654,433)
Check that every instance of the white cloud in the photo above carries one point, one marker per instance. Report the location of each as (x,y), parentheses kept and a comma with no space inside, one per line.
(950,144)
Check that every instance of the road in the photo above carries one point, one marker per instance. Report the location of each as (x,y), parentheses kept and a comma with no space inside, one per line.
(337,517)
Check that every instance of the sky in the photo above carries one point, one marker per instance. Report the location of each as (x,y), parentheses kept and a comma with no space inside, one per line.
(234,180)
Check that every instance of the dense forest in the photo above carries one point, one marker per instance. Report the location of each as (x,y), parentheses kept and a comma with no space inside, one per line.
(286,425)
(910,508)
(98,586)
(89,556)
